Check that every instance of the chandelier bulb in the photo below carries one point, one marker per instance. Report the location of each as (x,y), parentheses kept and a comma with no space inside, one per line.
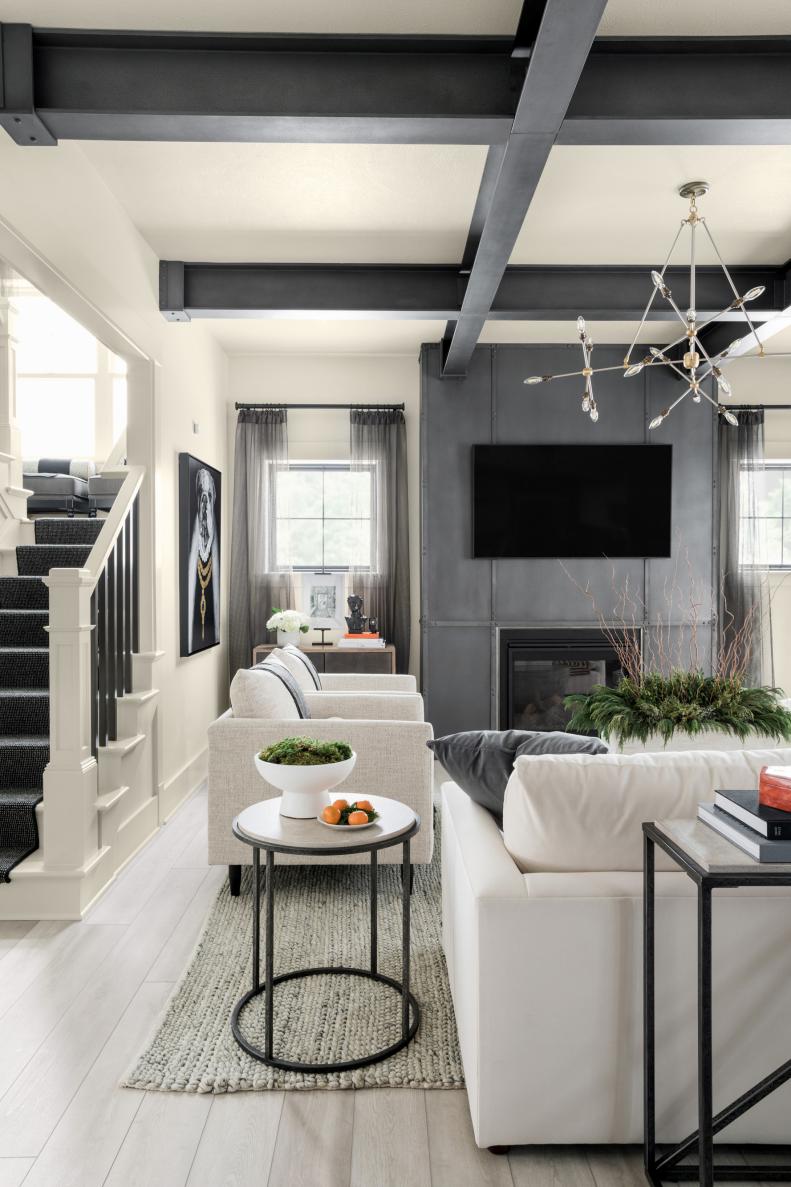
(635,369)
(656,422)
(729,416)
(535,379)
(586,404)
(657,353)
(722,382)
(594,414)
(751,294)
(581,326)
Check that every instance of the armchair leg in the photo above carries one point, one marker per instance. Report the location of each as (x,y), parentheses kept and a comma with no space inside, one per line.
(235,880)
(411,877)
(499,1149)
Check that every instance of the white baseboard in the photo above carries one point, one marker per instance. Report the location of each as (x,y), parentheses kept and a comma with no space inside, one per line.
(174,791)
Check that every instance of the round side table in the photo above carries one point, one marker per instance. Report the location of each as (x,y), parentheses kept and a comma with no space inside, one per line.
(262,827)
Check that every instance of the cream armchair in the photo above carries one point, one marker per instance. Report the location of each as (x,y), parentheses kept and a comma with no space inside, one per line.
(388,734)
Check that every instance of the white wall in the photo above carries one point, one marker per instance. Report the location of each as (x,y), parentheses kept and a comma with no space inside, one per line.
(338,379)
(55,201)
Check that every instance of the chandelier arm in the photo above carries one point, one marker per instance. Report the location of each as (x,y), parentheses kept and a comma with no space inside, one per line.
(653,294)
(671,302)
(734,289)
(677,401)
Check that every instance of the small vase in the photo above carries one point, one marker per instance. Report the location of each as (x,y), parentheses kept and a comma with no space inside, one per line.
(286,637)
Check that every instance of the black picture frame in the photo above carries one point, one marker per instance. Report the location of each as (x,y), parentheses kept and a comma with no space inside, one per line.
(200,544)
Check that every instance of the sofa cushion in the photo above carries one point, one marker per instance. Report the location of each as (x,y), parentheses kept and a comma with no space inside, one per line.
(585,812)
(299,665)
(481,761)
(268,691)
(59,485)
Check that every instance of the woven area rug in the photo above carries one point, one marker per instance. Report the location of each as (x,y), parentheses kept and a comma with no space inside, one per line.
(321,918)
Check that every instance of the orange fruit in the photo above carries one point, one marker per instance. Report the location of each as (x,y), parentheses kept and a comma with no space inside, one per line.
(366,805)
(340,804)
(331,814)
(358,818)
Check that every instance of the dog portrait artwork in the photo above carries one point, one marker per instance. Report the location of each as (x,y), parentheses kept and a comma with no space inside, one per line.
(199,546)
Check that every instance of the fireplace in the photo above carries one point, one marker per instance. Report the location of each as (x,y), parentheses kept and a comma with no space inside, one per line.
(538,668)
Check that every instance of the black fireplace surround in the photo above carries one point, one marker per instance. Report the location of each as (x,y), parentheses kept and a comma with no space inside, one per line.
(539,667)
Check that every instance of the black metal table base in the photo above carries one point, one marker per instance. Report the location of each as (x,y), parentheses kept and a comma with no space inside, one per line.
(664,1166)
(410,1010)
(348,1065)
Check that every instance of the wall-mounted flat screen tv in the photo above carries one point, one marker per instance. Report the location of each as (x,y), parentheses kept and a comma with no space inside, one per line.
(572,500)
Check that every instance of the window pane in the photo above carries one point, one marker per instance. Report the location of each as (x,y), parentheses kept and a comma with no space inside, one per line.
(768,492)
(305,543)
(302,492)
(347,494)
(56,417)
(119,408)
(49,340)
(770,542)
(347,542)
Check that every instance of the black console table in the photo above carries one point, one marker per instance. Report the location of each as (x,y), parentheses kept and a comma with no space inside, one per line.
(711,862)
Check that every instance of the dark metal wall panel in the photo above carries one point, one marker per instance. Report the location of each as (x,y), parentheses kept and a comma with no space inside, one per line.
(493,404)
(460,669)
(458,416)
(686,577)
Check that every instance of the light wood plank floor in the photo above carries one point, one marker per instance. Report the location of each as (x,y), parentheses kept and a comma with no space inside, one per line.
(77,1002)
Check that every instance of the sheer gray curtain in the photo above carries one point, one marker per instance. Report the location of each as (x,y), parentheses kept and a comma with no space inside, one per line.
(378,447)
(257,584)
(745,617)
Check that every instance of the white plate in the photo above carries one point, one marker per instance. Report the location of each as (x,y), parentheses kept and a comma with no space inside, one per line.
(348,828)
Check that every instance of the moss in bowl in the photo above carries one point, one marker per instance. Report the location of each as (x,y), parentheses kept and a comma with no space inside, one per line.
(305,752)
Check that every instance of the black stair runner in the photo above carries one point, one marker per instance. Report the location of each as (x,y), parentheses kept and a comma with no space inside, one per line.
(24,678)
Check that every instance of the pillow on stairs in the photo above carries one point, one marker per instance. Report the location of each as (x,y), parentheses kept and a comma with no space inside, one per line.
(268,691)
(481,761)
(299,665)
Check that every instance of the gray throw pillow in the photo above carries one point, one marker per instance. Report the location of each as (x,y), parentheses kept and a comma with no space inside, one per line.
(481,761)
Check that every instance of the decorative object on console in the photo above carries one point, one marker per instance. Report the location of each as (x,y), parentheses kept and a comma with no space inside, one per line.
(305,771)
(289,624)
(696,365)
(356,620)
(774,788)
(480,762)
(199,554)
(322,594)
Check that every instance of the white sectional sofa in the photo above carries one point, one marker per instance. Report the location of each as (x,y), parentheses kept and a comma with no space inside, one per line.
(542,928)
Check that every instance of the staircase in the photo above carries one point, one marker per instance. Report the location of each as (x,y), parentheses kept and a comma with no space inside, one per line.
(24,678)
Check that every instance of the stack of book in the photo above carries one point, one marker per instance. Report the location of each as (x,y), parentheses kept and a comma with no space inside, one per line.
(366,639)
(752,820)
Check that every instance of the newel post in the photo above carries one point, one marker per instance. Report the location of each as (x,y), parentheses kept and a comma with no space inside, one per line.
(71,831)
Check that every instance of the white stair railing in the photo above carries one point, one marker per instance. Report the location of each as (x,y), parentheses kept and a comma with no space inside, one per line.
(93,632)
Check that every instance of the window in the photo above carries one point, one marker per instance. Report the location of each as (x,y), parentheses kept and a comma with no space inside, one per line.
(70,390)
(766,515)
(324,516)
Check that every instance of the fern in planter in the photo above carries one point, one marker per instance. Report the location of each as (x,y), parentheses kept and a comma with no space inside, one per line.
(687,702)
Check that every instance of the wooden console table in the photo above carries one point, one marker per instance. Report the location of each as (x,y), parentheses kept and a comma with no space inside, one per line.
(329,658)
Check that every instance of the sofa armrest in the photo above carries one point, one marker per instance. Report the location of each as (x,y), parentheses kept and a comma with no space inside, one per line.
(367,682)
(366,706)
(488,867)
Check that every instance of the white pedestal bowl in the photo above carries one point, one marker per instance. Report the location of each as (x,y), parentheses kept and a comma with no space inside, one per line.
(305,790)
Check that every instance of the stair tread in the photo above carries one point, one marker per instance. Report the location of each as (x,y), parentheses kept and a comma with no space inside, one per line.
(39,610)
(25,794)
(24,740)
(24,692)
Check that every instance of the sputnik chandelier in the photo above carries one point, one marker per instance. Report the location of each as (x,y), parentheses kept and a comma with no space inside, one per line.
(695,366)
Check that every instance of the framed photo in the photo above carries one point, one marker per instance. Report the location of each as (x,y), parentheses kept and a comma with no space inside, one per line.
(323,598)
(199,554)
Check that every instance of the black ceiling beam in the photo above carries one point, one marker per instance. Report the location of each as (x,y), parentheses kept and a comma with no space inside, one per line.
(716,337)
(563,40)
(695,90)
(436,292)
(107,85)
(138,85)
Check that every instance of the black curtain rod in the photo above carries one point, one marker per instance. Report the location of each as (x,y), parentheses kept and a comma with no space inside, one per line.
(361,407)
(758,407)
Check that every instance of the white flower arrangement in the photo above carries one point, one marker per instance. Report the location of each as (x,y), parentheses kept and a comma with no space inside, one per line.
(289,621)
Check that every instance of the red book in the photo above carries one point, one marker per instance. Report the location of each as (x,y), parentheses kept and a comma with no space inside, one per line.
(774,788)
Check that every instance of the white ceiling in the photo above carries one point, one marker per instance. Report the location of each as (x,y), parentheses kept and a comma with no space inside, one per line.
(412,203)
(621,18)
(300,203)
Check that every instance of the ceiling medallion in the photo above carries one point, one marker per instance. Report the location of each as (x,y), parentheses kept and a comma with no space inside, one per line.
(695,366)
